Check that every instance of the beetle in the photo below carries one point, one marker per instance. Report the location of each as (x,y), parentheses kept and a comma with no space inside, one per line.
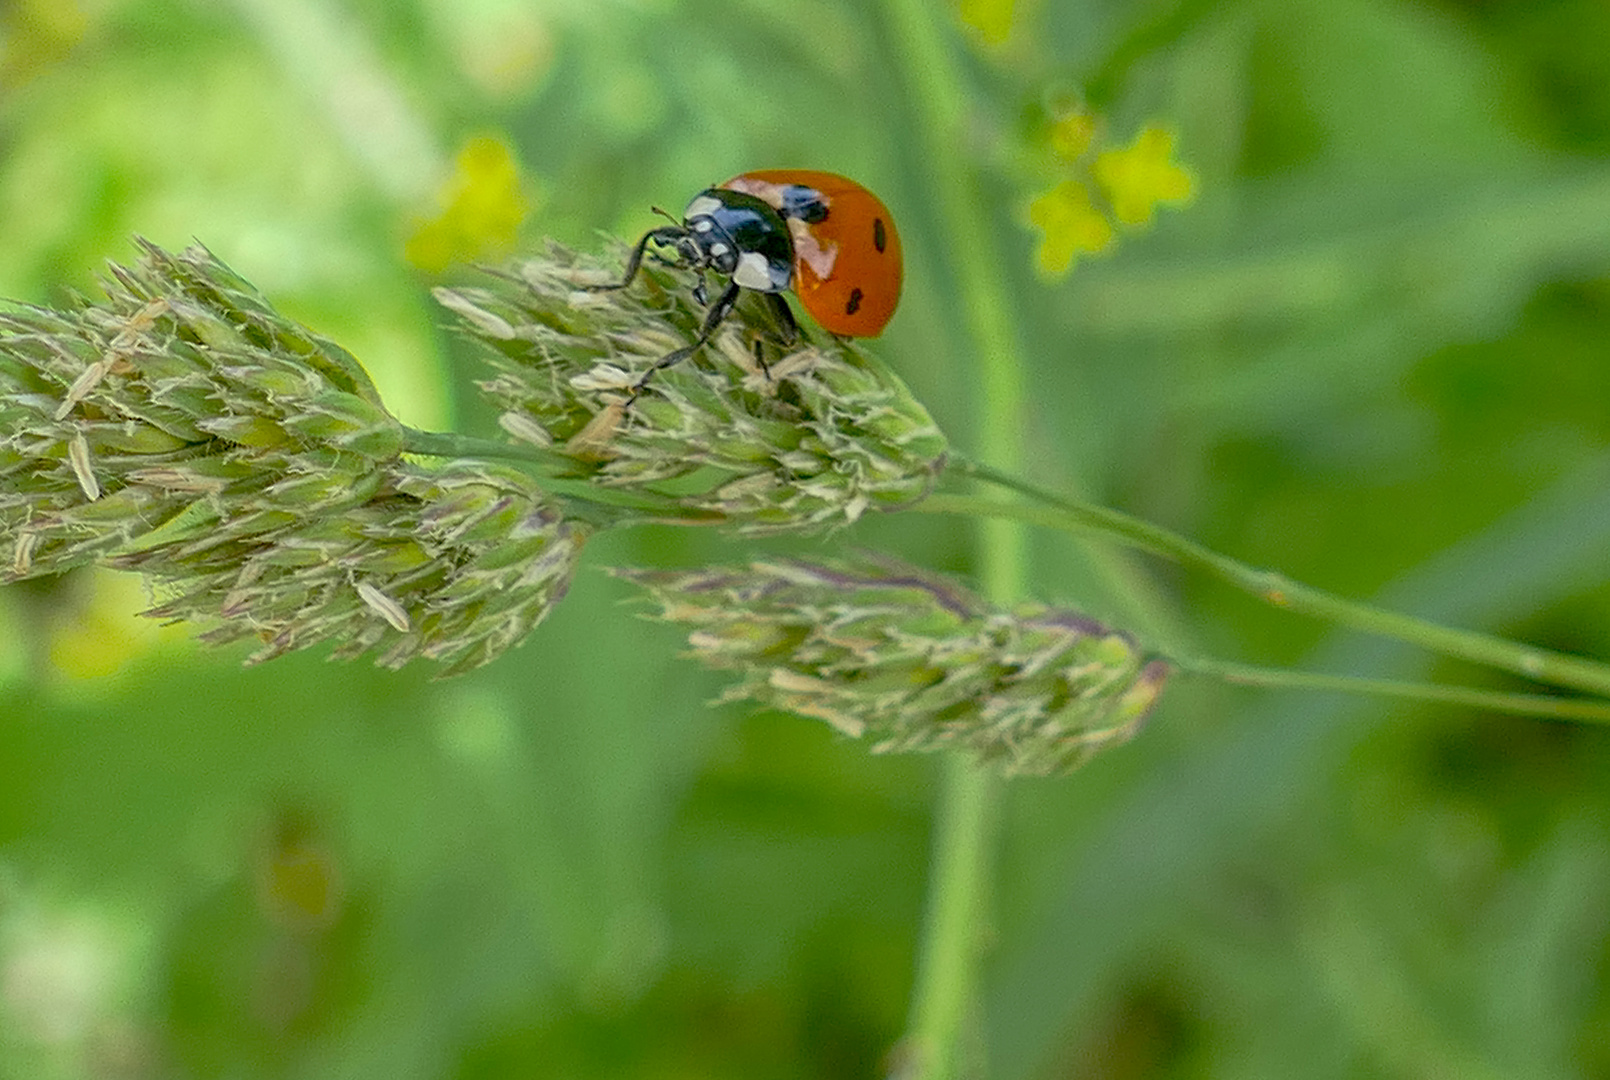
(817,234)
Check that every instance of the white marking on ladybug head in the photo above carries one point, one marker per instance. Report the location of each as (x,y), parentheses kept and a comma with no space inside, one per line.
(702,206)
(718,249)
(754,272)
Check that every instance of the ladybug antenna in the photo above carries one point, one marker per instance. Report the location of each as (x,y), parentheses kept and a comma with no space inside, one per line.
(668,217)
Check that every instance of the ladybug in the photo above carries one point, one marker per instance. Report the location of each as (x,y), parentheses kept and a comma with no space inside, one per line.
(822,236)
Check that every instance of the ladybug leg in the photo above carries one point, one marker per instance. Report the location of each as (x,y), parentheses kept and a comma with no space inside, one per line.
(712,319)
(785,317)
(665,234)
(787,330)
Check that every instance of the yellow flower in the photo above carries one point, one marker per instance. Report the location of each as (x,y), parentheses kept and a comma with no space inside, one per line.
(1071,224)
(483,206)
(1140,176)
(1072,135)
(35,34)
(991,18)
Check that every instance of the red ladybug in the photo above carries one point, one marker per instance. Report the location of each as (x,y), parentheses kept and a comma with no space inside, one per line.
(821,235)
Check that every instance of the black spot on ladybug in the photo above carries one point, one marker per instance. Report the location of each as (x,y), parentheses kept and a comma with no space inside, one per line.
(855,302)
(880,236)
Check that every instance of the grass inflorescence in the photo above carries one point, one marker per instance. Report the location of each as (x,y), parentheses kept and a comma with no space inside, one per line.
(184,429)
(908,661)
(769,435)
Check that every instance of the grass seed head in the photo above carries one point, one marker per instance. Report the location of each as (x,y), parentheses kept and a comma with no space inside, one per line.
(184,429)
(817,436)
(907,661)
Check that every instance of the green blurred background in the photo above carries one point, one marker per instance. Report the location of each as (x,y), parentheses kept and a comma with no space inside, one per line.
(1373,353)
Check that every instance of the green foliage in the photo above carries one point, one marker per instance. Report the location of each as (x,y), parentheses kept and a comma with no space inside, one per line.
(1371,354)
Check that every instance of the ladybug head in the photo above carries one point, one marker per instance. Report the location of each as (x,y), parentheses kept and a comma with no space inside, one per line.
(738,235)
(680,237)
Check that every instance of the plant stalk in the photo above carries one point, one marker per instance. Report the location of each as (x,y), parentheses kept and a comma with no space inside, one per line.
(944,1001)
(1055,511)
(1544,706)
(560,476)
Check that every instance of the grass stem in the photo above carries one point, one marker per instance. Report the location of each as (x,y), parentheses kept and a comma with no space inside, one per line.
(1069,515)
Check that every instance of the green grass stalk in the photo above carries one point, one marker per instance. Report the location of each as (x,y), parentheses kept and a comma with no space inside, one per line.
(1070,515)
(943,1008)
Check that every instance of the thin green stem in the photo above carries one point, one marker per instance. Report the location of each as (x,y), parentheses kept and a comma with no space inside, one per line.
(449,444)
(958,906)
(943,1001)
(1586,710)
(562,476)
(1054,511)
